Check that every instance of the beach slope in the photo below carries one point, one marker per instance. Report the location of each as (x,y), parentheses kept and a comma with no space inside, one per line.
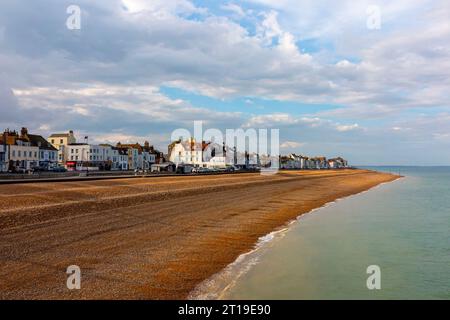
(149,238)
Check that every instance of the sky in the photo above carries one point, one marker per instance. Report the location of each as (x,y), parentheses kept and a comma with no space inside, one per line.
(366,80)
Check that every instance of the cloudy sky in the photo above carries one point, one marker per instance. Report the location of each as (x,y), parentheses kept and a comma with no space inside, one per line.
(332,77)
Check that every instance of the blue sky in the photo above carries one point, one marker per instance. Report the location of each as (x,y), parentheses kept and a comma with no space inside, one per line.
(317,70)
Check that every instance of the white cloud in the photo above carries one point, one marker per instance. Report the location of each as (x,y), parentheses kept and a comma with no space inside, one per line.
(344,128)
(112,70)
(291,145)
(234,8)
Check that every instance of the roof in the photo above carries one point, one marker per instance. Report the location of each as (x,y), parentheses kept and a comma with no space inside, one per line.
(60,135)
(194,146)
(122,151)
(39,141)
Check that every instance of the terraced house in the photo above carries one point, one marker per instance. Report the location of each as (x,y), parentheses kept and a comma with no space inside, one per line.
(23,154)
(3,155)
(83,156)
(60,142)
(48,154)
(139,157)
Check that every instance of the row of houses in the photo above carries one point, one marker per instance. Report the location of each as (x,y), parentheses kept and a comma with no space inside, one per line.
(24,151)
(206,154)
(77,156)
(21,151)
(210,155)
(294,161)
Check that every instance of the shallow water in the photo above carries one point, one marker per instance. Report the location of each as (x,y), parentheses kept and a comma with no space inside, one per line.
(403,227)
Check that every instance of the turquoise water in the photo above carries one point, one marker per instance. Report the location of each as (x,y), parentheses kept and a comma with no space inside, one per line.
(403,227)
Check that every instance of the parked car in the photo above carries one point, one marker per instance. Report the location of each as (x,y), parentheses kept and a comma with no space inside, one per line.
(200,170)
(58,169)
(40,169)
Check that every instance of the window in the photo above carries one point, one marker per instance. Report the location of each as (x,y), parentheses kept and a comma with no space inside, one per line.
(53,141)
(76,157)
(19,153)
(61,141)
(71,157)
(71,150)
(76,150)
(35,154)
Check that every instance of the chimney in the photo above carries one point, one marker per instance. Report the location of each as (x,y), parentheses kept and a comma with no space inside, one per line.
(24,132)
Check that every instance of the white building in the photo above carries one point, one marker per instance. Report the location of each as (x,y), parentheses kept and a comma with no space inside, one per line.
(82,156)
(22,154)
(337,163)
(60,142)
(187,152)
(204,154)
(3,157)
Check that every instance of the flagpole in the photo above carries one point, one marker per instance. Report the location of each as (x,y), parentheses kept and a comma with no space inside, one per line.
(86,138)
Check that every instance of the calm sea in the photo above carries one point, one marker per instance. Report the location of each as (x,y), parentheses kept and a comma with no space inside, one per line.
(403,227)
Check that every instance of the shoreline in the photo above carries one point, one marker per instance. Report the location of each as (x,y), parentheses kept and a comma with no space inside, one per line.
(142,239)
(209,288)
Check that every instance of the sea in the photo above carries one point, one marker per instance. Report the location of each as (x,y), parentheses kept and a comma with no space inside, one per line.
(401,228)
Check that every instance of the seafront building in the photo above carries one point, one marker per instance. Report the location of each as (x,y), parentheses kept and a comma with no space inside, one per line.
(119,159)
(48,154)
(22,151)
(60,141)
(200,154)
(337,163)
(294,161)
(187,152)
(140,157)
(3,156)
(83,156)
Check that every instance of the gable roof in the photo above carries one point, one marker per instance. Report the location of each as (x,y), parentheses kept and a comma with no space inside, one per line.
(39,141)
(60,135)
